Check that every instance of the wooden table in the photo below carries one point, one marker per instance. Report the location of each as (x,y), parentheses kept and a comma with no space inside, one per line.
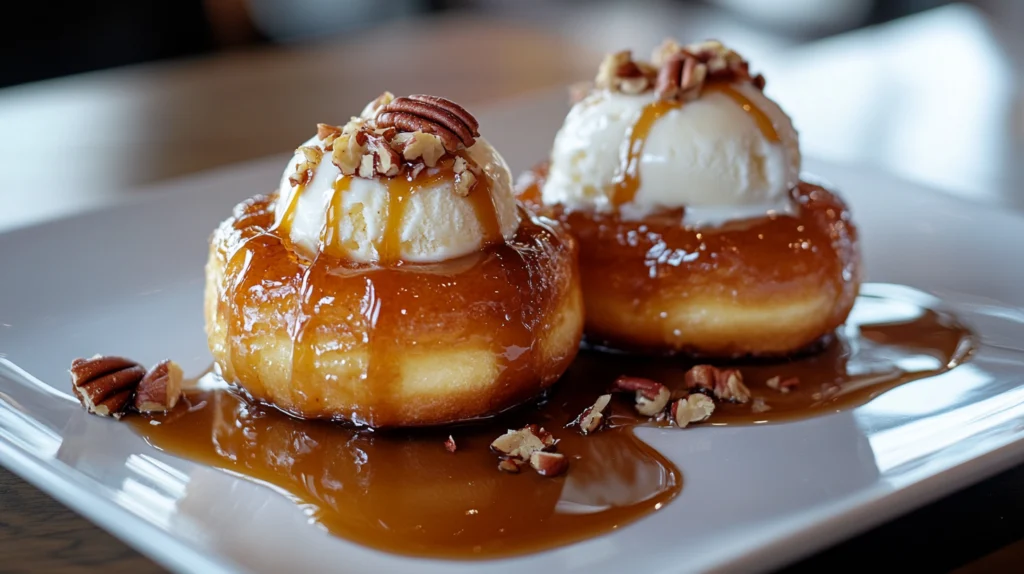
(116,130)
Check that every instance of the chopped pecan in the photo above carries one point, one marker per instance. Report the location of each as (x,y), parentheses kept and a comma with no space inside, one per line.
(419,145)
(304,169)
(430,114)
(692,409)
(701,378)
(724,384)
(509,465)
(449,444)
(783,386)
(549,463)
(729,386)
(592,418)
(464,178)
(619,72)
(160,389)
(105,385)
(681,78)
(383,159)
(711,60)
(759,405)
(324,131)
(520,444)
(651,396)
(372,108)
(347,153)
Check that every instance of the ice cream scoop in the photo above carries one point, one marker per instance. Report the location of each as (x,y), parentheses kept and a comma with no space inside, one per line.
(414,207)
(726,153)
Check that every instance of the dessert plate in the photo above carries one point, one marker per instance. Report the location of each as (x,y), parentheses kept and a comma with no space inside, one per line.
(129,280)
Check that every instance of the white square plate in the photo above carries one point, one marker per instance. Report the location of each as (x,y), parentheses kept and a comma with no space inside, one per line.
(128,281)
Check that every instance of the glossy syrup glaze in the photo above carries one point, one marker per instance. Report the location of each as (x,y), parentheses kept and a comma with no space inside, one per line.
(405,493)
(656,262)
(328,337)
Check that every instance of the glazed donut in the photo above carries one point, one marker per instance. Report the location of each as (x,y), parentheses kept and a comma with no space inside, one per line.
(772,287)
(419,302)
(681,180)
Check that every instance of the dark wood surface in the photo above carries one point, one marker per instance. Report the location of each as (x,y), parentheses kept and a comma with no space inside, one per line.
(165,120)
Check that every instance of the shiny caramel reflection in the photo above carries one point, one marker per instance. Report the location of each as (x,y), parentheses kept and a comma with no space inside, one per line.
(404,493)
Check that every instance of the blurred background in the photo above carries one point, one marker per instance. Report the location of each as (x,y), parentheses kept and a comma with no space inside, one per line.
(137,91)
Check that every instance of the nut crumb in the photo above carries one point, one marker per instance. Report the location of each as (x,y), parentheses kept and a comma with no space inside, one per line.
(783,386)
(592,418)
(509,465)
(758,405)
(449,444)
(549,463)
(729,386)
(651,396)
(695,408)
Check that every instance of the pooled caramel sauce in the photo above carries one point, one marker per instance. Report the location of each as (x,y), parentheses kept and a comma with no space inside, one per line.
(402,492)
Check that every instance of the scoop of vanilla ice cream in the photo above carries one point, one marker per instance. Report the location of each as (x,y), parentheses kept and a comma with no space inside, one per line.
(709,155)
(438,224)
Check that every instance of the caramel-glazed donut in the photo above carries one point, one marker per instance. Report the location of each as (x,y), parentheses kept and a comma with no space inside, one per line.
(407,345)
(766,287)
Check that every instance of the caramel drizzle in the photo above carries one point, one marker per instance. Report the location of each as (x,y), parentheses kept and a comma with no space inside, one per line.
(330,236)
(285,224)
(376,310)
(627,181)
(764,123)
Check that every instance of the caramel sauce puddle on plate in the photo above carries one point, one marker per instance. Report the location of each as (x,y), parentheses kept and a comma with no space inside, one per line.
(402,492)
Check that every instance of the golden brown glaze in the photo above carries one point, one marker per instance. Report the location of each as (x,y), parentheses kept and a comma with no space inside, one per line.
(392,344)
(768,286)
(404,493)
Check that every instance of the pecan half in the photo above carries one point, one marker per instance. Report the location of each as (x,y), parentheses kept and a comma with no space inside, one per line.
(592,418)
(160,389)
(651,396)
(695,408)
(430,114)
(105,385)
(549,463)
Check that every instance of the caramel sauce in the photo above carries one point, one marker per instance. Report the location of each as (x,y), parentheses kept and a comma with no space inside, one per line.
(497,299)
(627,180)
(404,493)
(764,123)
(749,262)
(330,237)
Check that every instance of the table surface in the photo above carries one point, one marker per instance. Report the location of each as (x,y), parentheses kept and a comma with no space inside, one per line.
(123,128)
